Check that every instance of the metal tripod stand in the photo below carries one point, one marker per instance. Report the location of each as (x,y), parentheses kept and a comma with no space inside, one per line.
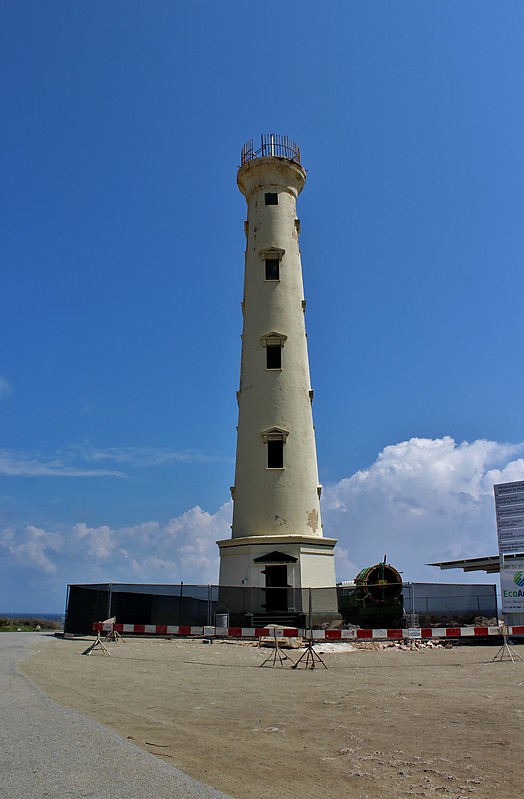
(277,654)
(506,651)
(311,657)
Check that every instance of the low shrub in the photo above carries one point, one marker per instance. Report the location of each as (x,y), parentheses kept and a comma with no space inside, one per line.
(28,624)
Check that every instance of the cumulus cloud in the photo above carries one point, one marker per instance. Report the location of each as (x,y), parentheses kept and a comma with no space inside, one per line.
(33,549)
(181,549)
(422,501)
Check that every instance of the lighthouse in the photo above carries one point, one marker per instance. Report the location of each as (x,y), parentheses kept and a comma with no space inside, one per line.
(277,544)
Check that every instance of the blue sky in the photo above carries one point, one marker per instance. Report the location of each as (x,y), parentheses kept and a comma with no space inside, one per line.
(122,263)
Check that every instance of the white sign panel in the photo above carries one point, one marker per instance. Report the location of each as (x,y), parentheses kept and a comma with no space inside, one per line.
(509,507)
(512,587)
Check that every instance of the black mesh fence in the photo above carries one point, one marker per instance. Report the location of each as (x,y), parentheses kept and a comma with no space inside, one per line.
(368,606)
(139,604)
(431,604)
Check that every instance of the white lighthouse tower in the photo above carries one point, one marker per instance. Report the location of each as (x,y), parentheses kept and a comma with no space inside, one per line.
(277,543)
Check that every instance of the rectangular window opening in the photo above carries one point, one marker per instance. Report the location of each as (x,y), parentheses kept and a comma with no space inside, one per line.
(273,356)
(275,454)
(271,198)
(272,269)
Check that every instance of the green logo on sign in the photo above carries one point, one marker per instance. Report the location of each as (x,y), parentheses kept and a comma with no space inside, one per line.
(518,579)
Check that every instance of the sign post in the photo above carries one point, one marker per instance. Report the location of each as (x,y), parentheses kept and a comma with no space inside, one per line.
(509,509)
(512,586)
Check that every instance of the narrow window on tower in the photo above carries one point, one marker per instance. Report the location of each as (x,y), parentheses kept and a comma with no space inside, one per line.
(272,257)
(274,439)
(272,269)
(273,356)
(275,454)
(273,343)
(271,198)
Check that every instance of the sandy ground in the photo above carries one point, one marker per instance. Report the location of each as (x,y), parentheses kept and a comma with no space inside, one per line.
(374,724)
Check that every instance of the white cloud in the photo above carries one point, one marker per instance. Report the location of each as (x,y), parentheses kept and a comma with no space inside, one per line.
(87,462)
(181,549)
(144,456)
(422,501)
(20,464)
(32,549)
(97,542)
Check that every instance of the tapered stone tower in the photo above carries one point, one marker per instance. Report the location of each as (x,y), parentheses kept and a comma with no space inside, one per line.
(277,540)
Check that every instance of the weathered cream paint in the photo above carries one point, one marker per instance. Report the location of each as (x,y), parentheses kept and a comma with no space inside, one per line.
(274,501)
(275,509)
(314,567)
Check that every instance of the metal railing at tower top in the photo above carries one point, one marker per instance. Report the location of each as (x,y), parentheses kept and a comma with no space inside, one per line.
(271,145)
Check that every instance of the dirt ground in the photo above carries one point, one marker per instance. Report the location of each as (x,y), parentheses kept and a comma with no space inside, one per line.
(374,724)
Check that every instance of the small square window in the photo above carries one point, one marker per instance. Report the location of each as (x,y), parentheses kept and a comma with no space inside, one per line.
(272,269)
(273,356)
(271,198)
(275,454)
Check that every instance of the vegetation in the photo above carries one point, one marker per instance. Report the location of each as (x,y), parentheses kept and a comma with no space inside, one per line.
(27,625)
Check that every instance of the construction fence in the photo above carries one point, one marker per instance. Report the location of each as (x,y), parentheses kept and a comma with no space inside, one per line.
(416,605)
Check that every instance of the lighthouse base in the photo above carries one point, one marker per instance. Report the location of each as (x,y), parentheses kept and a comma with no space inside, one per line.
(288,580)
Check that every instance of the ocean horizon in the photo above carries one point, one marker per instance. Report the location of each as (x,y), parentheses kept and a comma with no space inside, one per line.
(27,615)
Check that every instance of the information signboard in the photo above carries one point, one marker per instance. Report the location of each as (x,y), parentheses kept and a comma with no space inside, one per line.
(512,587)
(509,507)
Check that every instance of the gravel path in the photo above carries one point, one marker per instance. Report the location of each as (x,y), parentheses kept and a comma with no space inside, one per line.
(49,751)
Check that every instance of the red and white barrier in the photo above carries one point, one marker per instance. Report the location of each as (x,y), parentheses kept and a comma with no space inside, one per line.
(293,632)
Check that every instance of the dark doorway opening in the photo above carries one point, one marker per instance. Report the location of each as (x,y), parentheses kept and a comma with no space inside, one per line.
(276,588)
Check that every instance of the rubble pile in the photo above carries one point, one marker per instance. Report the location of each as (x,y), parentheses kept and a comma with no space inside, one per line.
(417,644)
(482,621)
(405,645)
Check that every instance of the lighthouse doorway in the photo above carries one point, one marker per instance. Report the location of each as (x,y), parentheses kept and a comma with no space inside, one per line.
(276,588)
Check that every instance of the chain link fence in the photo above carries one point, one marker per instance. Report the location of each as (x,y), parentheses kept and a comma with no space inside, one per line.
(368,607)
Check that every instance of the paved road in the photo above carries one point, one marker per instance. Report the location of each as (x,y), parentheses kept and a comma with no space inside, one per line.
(49,752)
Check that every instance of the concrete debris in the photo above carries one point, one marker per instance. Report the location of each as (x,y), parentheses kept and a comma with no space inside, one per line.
(284,643)
(328,647)
(376,646)
(322,648)
(415,645)
(482,621)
